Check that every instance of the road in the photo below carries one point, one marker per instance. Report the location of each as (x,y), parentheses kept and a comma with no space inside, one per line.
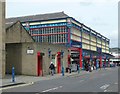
(104,80)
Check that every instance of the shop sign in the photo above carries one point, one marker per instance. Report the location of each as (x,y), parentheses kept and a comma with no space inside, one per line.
(30,51)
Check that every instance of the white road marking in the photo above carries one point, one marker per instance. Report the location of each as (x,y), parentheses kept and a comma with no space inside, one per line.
(104,86)
(52,89)
(17,86)
(105,90)
(81,81)
(47,90)
(116,83)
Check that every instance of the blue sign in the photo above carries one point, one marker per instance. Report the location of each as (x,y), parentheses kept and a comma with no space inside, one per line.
(69,25)
(76,44)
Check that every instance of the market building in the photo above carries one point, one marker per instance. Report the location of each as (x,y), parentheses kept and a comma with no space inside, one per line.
(76,40)
(29,57)
(116,53)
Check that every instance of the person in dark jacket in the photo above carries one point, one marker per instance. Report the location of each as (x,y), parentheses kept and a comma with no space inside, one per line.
(78,67)
(52,68)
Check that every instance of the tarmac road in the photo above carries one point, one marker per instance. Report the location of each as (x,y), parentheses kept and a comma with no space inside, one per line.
(104,80)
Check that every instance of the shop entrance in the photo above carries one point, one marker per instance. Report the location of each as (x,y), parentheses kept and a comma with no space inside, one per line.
(74,60)
(76,54)
(39,64)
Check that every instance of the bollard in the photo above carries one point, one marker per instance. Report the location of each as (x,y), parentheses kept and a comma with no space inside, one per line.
(13,74)
(62,71)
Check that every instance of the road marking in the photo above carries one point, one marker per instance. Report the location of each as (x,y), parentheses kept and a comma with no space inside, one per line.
(47,90)
(116,83)
(52,89)
(81,81)
(107,90)
(17,86)
(104,86)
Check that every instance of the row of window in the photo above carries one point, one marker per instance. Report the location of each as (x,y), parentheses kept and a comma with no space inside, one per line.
(52,38)
(75,31)
(58,37)
(86,46)
(48,30)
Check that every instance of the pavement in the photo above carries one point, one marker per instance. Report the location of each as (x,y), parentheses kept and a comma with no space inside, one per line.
(22,79)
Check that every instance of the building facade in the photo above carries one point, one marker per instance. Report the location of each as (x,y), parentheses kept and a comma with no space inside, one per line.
(116,53)
(81,41)
(29,57)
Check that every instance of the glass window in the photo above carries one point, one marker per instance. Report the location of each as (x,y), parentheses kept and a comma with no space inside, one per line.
(59,29)
(53,38)
(59,37)
(55,29)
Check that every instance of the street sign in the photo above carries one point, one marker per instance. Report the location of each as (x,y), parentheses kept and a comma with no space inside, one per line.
(30,51)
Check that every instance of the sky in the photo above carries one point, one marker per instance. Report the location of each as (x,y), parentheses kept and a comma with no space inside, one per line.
(99,15)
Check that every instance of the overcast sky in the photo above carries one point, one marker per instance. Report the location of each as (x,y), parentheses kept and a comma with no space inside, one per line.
(100,15)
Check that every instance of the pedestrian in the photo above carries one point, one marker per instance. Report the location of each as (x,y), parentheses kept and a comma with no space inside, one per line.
(87,66)
(104,65)
(97,64)
(52,68)
(90,65)
(70,67)
(78,67)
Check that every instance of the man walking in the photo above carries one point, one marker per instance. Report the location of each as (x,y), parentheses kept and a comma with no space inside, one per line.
(52,68)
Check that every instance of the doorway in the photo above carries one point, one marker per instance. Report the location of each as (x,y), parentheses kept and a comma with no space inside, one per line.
(58,62)
(39,64)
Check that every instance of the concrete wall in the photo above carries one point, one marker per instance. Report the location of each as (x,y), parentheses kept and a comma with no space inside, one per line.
(14,58)
(29,61)
(2,39)
(25,63)
(17,34)
(18,41)
(43,47)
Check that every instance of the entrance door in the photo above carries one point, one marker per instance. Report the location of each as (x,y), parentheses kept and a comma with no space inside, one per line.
(58,62)
(39,65)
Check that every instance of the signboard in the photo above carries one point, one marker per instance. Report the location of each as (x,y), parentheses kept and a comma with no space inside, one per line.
(27,24)
(69,23)
(30,51)
(76,44)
